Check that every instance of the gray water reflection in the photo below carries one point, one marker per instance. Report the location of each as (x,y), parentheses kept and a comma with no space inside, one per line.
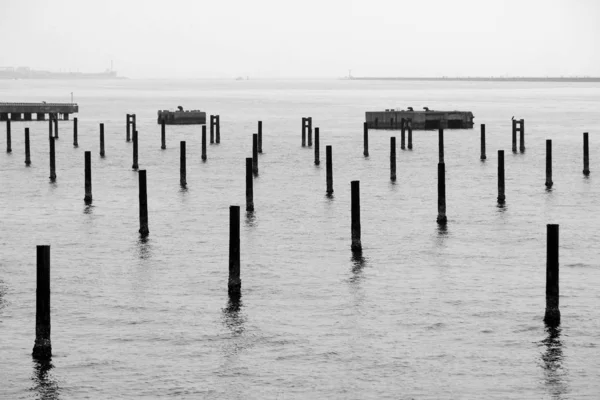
(45,386)
(144,248)
(233,319)
(552,363)
(251,219)
(89,208)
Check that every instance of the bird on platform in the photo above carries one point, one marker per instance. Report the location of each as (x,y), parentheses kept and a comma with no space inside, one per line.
(180,108)
(513,117)
(426,108)
(410,109)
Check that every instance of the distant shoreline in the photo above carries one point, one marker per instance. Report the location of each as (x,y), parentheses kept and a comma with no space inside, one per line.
(478,79)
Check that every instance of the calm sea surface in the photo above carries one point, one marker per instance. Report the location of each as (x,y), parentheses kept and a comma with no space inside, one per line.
(427,313)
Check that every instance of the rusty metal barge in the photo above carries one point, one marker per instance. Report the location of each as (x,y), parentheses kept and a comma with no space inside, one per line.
(181,117)
(419,120)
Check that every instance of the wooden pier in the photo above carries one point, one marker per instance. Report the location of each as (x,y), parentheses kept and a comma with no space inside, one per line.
(419,120)
(37,111)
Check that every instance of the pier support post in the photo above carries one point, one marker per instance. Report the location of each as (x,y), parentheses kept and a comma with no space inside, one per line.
(260,136)
(88,177)
(143,202)
(203,142)
(75,144)
(182,164)
(128,127)
(441,218)
(218,129)
(102,140)
(56,126)
(8,137)
(410,134)
(309,131)
(27,152)
(586,155)
(514,135)
(135,165)
(393,158)
(163,139)
(133,124)
(402,134)
(255,153)
(50,134)
(42,349)
(549,182)
(522,136)
(355,210)
(501,193)
(212,129)
(234,284)
(552,315)
(329,167)
(52,160)
(303,132)
(249,186)
(317,148)
(441,144)
(483,156)
(365,140)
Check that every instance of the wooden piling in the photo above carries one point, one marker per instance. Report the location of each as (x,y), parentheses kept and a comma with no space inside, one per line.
(586,155)
(50,135)
(393,158)
(27,152)
(260,136)
(483,156)
(410,134)
(234,284)
(355,210)
(163,139)
(75,121)
(317,148)
(203,142)
(441,145)
(135,165)
(212,129)
(309,131)
(522,135)
(42,348)
(56,127)
(143,201)
(8,137)
(133,124)
(501,192)
(552,315)
(514,135)
(402,134)
(52,160)
(365,140)
(88,176)
(303,132)
(441,218)
(549,182)
(182,164)
(218,129)
(255,153)
(249,185)
(128,127)
(329,167)
(102,140)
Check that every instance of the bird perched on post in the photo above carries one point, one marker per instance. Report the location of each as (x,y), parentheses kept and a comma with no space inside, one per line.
(410,109)
(426,108)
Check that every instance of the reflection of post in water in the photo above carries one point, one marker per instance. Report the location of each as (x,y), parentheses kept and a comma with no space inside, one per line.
(552,362)
(234,320)
(45,385)
(144,248)
(358,264)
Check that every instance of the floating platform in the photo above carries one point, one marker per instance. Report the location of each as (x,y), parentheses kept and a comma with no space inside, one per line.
(420,120)
(36,111)
(181,117)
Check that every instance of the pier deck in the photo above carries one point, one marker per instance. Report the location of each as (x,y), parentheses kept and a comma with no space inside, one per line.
(26,111)
(420,120)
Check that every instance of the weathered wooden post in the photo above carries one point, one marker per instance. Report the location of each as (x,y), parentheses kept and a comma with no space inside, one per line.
(402,134)
(501,193)
(8,138)
(135,165)
(260,136)
(102,140)
(393,158)
(182,164)
(50,135)
(514,135)
(309,128)
(203,142)
(56,126)
(355,210)
(441,218)
(212,129)
(329,167)
(410,134)
(255,153)
(234,284)
(133,123)
(128,127)
(365,140)
(88,177)
(218,129)
(586,155)
(303,131)
(163,139)
(552,315)
(27,153)
(143,202)
(42,348)
(317,149)
(549,182)
(441,144)
(483,157)
(249,186)
(522,135)
(75,144)
(52,161)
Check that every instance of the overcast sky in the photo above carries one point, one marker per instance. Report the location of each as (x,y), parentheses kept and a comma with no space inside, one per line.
(304,38)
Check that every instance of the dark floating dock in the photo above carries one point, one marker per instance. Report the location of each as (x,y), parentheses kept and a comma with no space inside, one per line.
(181,117)
(419,120)
(26,111)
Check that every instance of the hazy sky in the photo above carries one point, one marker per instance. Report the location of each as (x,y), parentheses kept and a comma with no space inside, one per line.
(305,38)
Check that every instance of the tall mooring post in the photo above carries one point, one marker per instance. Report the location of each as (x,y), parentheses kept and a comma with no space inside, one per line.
(218,129)
(88,177)
(441,145)
(441,218)
(128,127)
(355,210)
(410,134)
(514,135)
(135,165)
(329,168)
(8,137)
(552,315)
(234,284)
(304,131)
(255,153)
(402,133)
(133,124)
(56,126)
(52,160)
(501,193)
(163,139)
(203,142)
(101,140)
(483,157)
(393,158)
(317,148)
(182,164)
(249,186)
(75,121)
(27,152)
(144,231)
(212,129)
(522,135)
(260,136)
(586,155)
(50,135)
(365,140)
(549,182)
(309,129)
(42,348)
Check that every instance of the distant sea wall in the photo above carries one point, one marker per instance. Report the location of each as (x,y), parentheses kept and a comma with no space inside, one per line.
(481,79)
